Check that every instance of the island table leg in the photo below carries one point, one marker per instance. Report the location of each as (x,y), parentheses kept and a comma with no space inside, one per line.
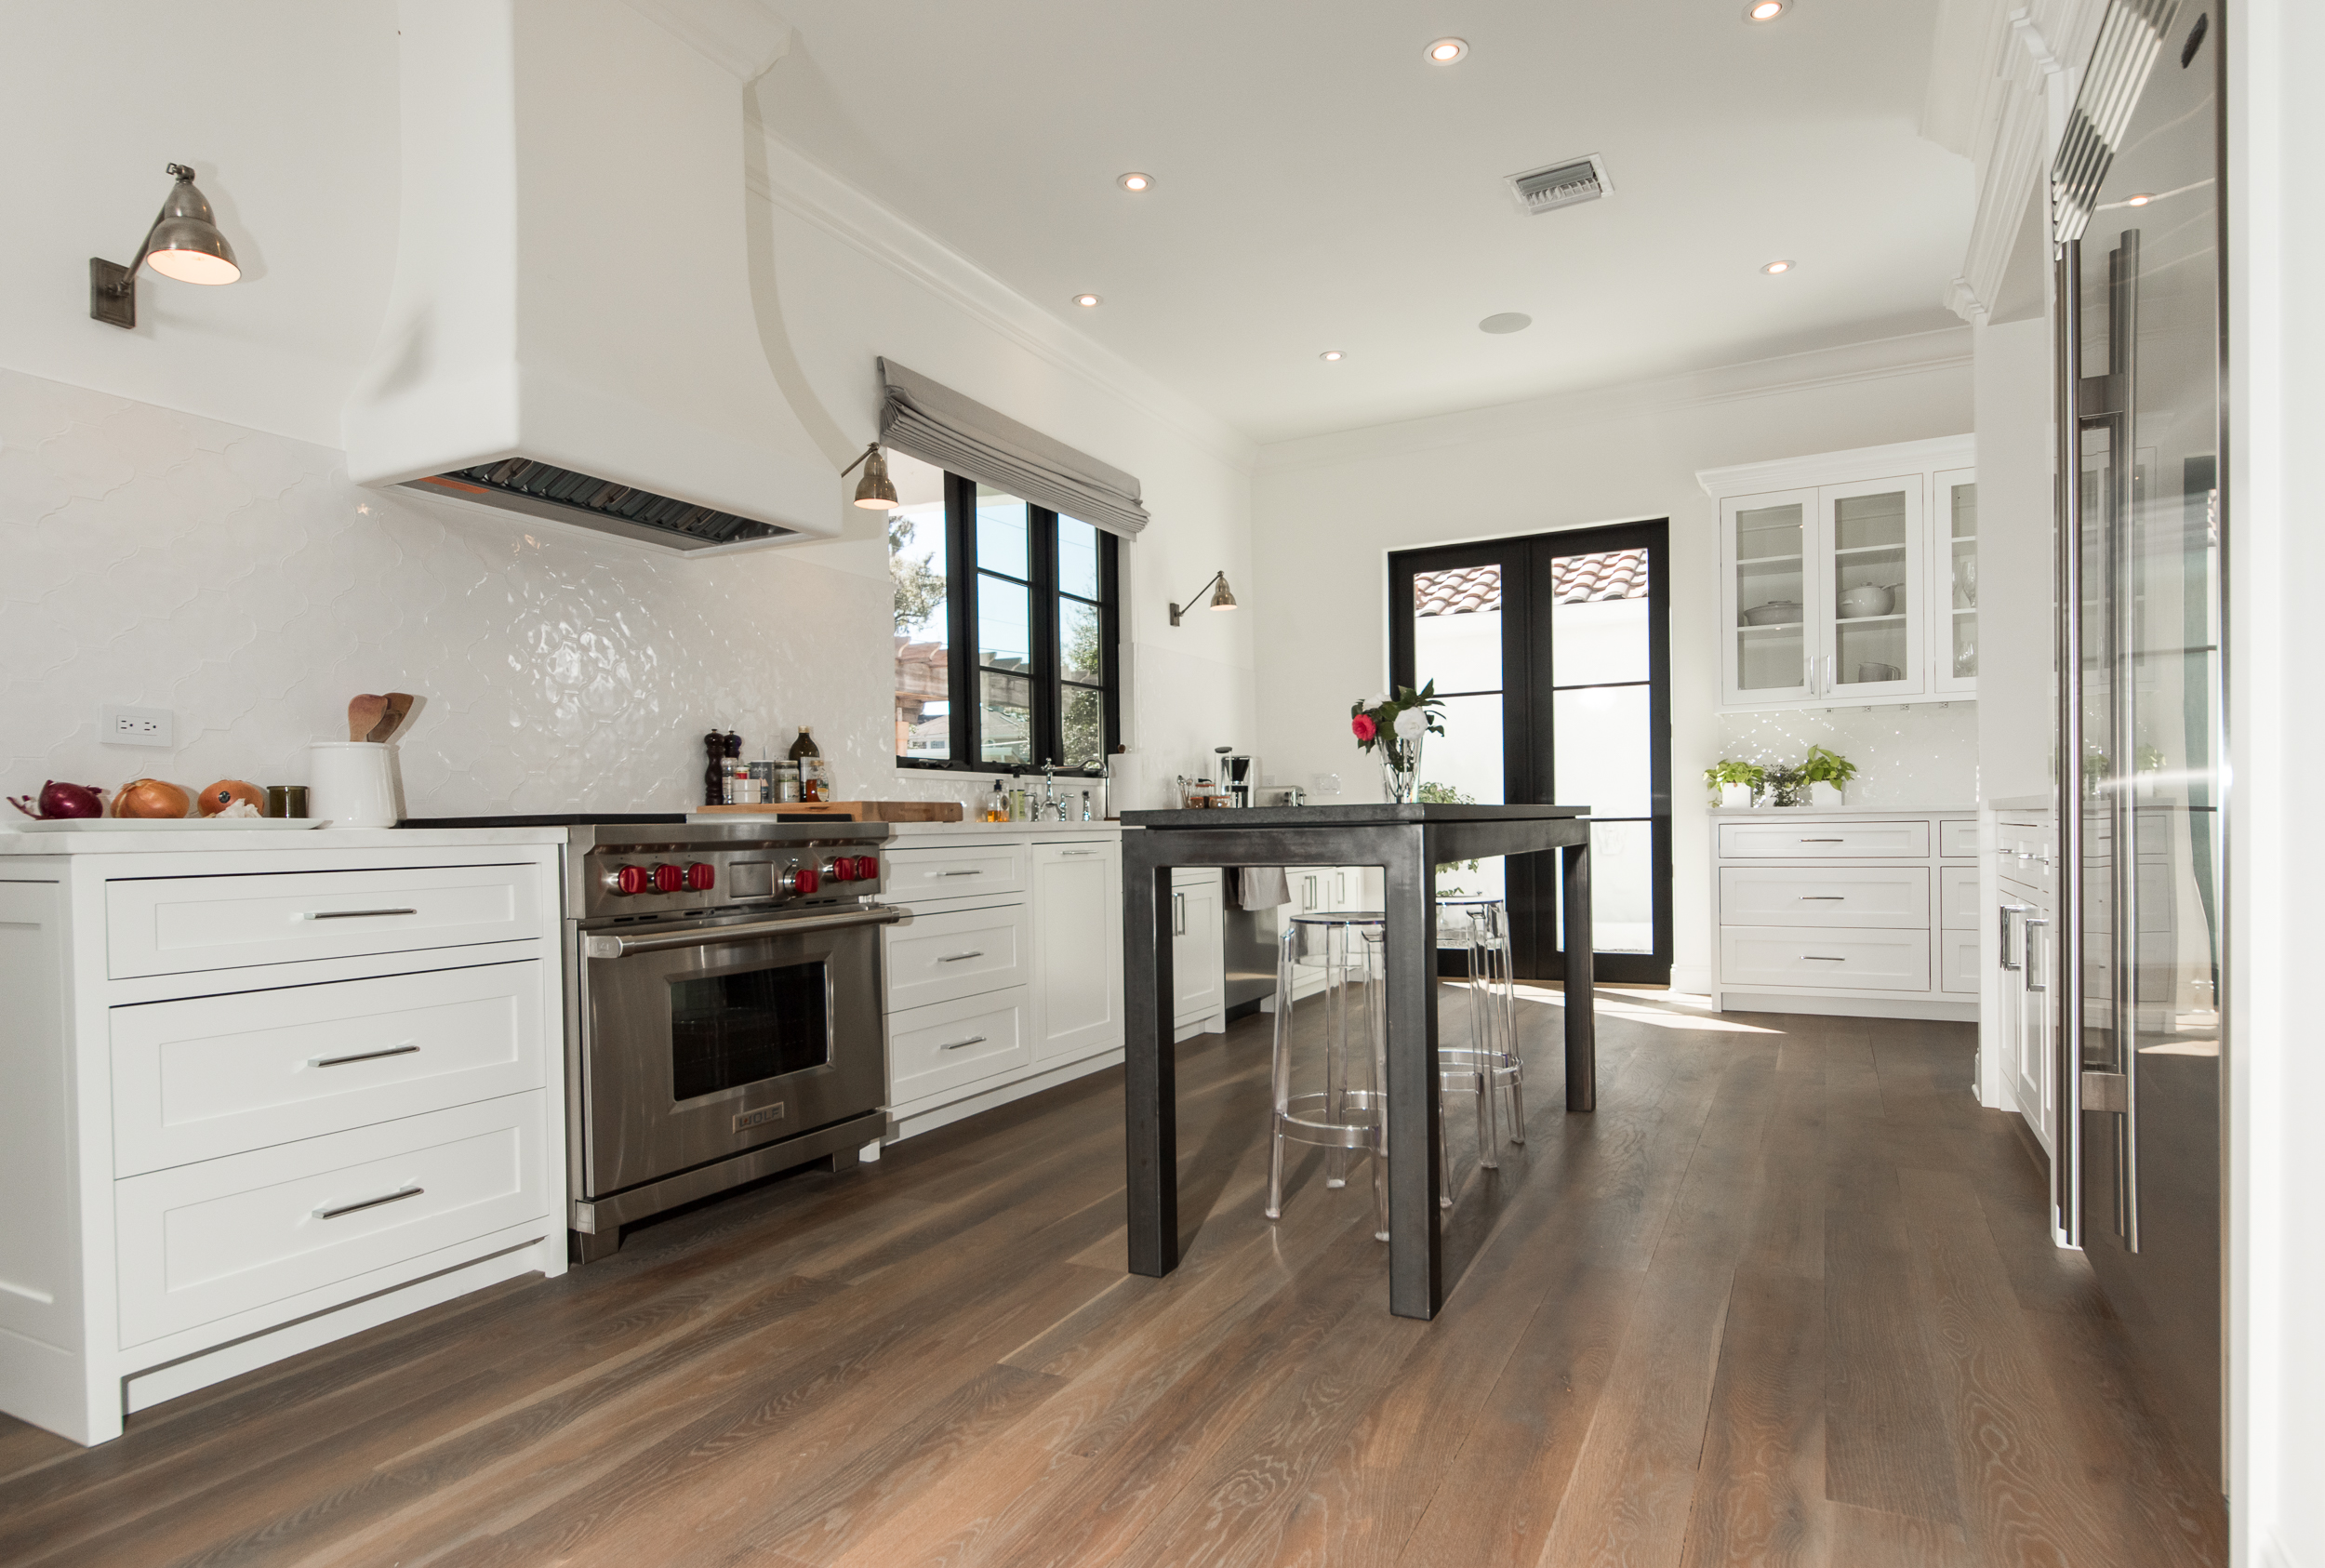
(1150,1067)
(1582,1037)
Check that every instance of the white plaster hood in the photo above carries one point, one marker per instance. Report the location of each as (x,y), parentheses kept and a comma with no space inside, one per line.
(573,276)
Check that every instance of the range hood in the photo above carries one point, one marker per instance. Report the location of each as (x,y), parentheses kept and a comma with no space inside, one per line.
(572,333)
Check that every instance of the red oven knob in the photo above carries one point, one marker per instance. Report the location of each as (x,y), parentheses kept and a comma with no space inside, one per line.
(841,868)
(867,867)
(802,880)
(630,879)
(701,876)
(669,878)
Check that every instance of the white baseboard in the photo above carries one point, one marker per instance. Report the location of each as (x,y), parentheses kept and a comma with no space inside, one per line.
(911,1121)
(1845,1007)
(1693,979)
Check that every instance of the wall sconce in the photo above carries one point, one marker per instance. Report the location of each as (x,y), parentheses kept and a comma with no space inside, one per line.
(1222,600)
(183,244)
(874,492)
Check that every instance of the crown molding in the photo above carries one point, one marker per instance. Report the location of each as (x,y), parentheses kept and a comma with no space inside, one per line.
(806,190)
(1840,468)
(1878,359)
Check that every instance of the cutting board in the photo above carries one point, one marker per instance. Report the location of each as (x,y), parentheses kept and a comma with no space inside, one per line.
(850,811)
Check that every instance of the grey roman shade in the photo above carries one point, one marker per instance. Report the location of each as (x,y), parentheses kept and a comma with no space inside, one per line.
(961,435)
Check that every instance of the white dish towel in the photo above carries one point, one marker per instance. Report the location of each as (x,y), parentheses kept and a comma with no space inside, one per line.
(1262,887)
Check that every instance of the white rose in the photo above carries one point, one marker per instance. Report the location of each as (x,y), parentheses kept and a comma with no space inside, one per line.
(1377,700)
(1409,723)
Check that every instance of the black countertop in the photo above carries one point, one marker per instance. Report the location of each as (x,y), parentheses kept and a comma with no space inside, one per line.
(1378,815)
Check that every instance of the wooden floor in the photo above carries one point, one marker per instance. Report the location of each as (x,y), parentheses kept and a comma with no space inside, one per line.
(1786,1298)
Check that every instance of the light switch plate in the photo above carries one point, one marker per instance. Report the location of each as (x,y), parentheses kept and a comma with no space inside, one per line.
(136,727)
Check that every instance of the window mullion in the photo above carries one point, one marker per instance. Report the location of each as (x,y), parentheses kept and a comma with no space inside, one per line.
(967,675)
(1048,732)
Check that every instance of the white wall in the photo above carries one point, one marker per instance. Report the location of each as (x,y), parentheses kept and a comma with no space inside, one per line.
(2016,705)
(181,536)
(2277,750)
(1327,510)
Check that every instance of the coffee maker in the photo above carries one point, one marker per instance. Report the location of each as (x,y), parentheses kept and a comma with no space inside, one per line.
(1237,778)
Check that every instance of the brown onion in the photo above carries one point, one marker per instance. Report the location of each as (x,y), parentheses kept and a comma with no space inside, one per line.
(152,798)
(217,797)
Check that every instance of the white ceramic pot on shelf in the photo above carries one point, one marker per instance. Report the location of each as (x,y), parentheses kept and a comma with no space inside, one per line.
(355,783)
(1735,797)
(1821,794)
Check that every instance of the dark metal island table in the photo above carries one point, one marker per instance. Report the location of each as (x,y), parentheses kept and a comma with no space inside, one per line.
(1408,842)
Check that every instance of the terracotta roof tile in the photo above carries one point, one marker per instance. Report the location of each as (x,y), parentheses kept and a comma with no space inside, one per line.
(1613,574)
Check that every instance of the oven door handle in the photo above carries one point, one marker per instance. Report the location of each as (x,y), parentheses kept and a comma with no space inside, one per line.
(600,945)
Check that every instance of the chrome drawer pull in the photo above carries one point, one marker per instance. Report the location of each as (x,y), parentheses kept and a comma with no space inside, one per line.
(964,873)
(404,1050)
(958,1044)
(1075,853)
(1824,897)
(955,958)
(369,1203)
(1822,958)
(1824,841)
(355,914)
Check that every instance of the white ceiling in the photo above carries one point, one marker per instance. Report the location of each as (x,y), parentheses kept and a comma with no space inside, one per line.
(1321,185)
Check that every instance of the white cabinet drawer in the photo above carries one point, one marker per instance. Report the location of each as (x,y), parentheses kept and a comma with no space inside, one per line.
(1824,960)
(1893,897)
(954,871)
(1958,901)
(170,925)
(951,1044)
(221,1074)
(960,953)
(205,1242)
(1958,962)
(1957,837)
(1077,948)
(1781,840)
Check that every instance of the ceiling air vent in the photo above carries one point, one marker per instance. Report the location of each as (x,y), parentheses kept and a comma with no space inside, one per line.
(1567,184)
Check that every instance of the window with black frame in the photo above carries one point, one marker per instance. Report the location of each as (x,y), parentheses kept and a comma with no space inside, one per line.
(1031,594)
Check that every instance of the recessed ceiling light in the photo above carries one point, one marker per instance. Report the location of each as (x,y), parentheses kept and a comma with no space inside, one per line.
(1136,181)
(1774,267)
(1508,321)
(1766,10)
(2140,200)
(1086,300)
(1446,50)
(1330,353)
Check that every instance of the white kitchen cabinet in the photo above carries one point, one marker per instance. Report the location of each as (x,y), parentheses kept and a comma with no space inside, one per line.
(1077,948)
(1860,912)
(2023,968)
(1198,950)
(1836,588)
(257,1095)
(1008,978)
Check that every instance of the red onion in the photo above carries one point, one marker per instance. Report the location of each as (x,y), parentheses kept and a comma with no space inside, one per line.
(62,800)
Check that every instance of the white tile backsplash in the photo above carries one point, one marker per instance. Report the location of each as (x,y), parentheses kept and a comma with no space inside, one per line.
(1921,755)
(238,578)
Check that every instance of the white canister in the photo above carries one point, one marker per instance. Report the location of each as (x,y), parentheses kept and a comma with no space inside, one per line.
(1735,797)
(1822,793)
(355,783)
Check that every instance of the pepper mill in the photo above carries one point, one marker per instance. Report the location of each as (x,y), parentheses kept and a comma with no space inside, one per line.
(714,776)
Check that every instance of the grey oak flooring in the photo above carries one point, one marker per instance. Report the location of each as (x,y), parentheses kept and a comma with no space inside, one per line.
(1788,1298)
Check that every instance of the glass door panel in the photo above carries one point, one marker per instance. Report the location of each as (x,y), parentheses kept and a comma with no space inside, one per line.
(1957,531)
(1876,539)
(1767,547)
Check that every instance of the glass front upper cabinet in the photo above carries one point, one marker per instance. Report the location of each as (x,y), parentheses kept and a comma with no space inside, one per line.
(1768,541)
(1954,670)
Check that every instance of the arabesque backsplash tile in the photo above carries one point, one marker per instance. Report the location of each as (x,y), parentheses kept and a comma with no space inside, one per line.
(236,577)
(1922,755)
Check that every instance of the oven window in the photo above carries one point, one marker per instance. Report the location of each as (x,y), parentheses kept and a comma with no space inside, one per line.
(730,1030)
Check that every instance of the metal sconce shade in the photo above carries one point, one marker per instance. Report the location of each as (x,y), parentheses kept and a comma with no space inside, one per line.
(876,491)
(184,242)
(1222,597)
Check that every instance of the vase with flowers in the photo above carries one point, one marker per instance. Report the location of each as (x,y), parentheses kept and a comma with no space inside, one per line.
(1394,723)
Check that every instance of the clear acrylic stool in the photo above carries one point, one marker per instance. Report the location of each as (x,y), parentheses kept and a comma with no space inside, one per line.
(1489,1063)
(1340,1117)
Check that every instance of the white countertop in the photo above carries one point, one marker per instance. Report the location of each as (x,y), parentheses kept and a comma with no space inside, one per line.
(213,841)
(1793,811)
(907,831)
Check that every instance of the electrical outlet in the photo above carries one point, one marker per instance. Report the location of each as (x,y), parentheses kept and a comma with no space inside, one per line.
(136,727)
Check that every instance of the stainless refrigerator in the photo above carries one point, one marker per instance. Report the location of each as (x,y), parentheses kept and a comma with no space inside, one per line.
(2138,1180)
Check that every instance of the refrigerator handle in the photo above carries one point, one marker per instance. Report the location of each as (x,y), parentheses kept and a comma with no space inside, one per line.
(2028,958)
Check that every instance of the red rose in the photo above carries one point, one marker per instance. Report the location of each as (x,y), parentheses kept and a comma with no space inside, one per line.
(1364,727)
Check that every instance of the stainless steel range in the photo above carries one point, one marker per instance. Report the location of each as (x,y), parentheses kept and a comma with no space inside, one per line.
(723,1009)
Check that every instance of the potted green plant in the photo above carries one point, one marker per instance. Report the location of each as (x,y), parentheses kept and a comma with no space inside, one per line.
(1736,784)
(1827,774)
(1786,786)
(1396,722)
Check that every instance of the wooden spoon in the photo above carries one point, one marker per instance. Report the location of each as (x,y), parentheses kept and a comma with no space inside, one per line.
(363,716)
(399,707)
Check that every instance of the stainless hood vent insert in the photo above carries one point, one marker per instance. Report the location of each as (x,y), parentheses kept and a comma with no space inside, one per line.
(556,493)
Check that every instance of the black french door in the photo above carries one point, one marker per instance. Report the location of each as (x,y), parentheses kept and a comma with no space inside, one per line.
(1552,653)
